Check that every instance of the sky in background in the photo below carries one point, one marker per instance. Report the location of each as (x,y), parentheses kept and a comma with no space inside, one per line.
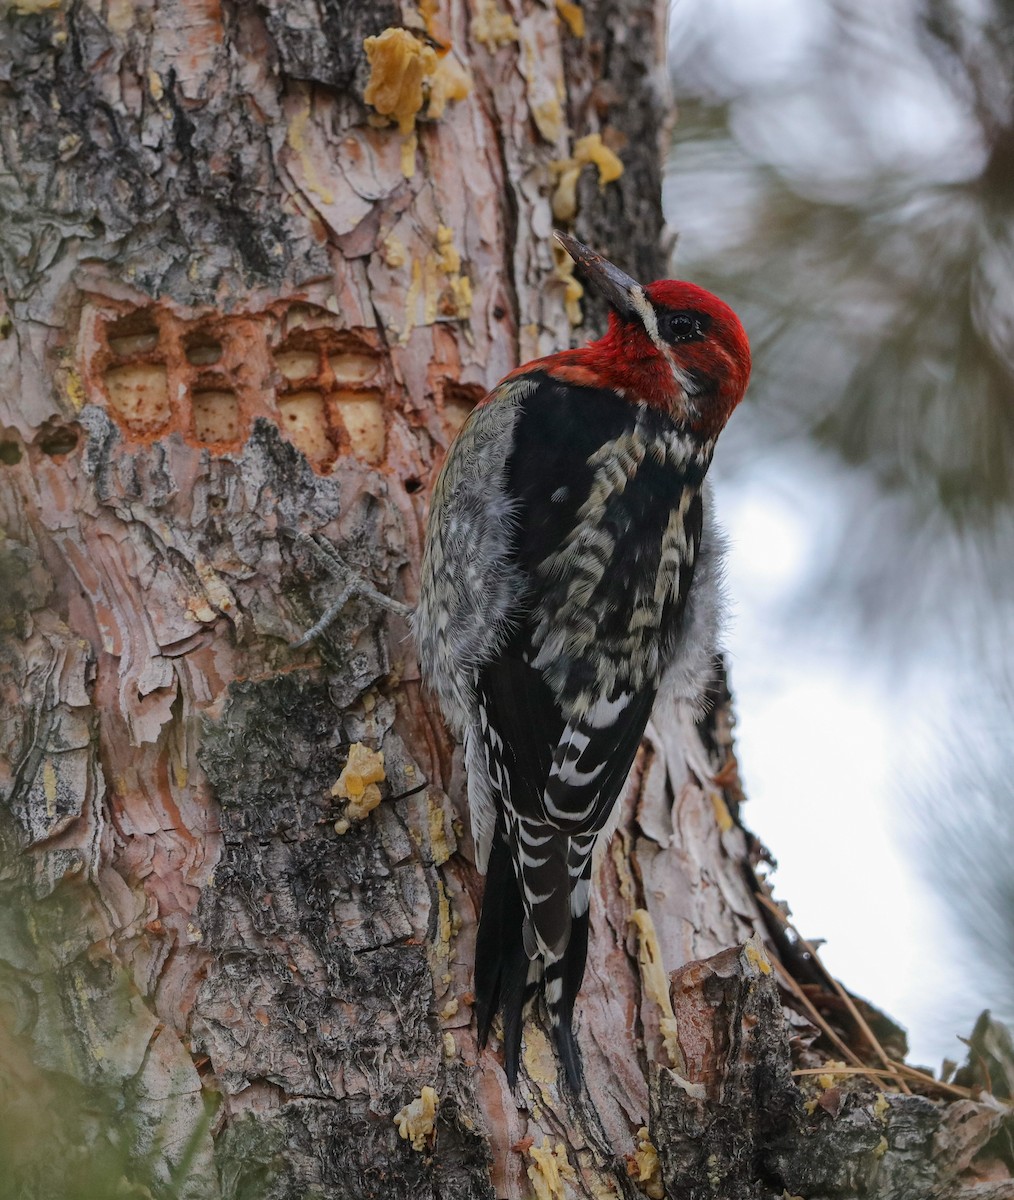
(834,737)
(826,743)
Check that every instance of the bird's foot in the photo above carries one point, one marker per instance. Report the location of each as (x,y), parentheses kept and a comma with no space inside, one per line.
(351,585)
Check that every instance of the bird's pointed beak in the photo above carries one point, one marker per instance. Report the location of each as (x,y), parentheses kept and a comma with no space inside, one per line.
(613,285)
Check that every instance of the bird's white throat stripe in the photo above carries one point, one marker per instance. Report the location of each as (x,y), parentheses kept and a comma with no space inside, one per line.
(646,311)
(649,319)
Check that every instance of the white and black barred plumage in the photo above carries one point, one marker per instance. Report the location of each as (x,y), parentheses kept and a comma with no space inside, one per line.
(571,572)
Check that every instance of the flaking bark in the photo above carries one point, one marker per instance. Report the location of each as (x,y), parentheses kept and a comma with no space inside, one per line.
(229,317)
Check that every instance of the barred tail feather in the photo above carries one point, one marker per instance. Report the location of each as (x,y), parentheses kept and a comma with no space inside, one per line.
(574,960)
(561,983)
(502,967)
(570,969)
(508,981)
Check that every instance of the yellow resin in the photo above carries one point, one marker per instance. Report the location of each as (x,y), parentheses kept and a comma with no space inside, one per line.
(417,1121)
(648,1169)
(573,14)
(549,1169)
(588,151)
(358,781)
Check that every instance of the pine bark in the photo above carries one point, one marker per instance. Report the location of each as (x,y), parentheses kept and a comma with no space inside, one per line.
(242,307)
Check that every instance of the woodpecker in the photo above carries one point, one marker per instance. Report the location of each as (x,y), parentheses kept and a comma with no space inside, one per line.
(570,575)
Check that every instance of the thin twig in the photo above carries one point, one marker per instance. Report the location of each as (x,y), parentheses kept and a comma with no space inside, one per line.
(815,1016)
(832,1070)
(842,994)
(955,1089)
(926,1080)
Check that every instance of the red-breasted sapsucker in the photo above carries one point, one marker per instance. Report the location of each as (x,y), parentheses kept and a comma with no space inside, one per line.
(569,576)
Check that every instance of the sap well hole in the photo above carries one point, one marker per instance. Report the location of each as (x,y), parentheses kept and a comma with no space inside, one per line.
(304,423)
(459,400)
(56,439)
(362,414)
(297,364)
(349,367)
(133,334)
(202,350)
(139,396)
(216,416)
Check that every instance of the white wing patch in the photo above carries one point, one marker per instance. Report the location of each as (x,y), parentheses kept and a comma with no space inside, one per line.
(605,712)
(485,786)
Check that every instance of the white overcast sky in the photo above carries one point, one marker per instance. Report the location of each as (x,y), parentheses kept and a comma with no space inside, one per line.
(829,745)
(828,749)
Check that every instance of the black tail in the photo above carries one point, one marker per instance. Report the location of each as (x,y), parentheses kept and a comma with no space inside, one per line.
(565,976)
(502,969)
(501,965)
(571,968)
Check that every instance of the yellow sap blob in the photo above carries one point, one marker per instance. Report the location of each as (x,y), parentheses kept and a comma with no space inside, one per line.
(399,63)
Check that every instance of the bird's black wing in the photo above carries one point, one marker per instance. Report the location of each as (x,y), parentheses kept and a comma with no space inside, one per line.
(557,761)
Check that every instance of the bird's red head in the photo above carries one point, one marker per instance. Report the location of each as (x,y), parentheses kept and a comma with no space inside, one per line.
(671,344)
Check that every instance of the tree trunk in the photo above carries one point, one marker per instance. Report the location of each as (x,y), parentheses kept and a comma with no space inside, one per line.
(259,261)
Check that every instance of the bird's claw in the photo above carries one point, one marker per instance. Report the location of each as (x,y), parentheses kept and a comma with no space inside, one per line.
(352,585)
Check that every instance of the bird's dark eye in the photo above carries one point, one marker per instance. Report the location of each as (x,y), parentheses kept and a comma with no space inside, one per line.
(681,326)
